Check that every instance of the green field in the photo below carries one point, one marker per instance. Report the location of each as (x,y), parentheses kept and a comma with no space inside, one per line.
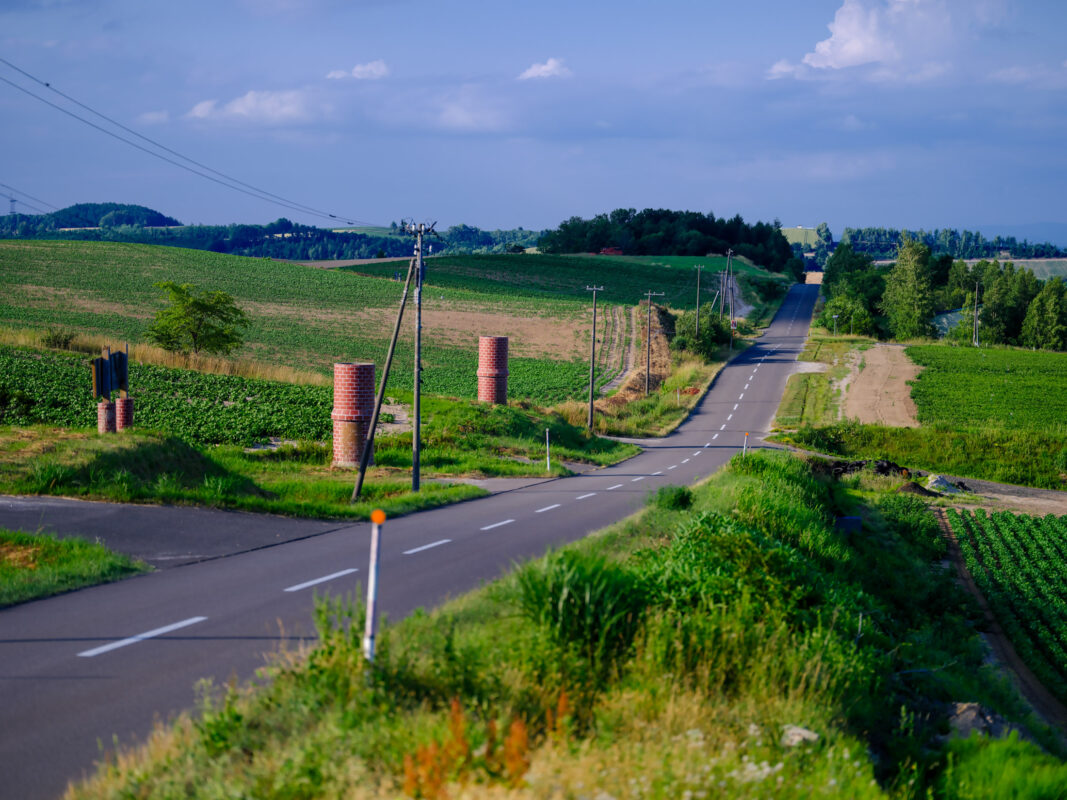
(562,279)
(1019,564)
(970,387)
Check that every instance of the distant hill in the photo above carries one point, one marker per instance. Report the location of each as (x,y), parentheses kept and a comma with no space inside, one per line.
(806,237)
(109,215)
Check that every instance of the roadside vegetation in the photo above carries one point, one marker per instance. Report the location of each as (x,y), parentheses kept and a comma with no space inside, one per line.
(35,565)
(991,413)
(814,398)
(725,642)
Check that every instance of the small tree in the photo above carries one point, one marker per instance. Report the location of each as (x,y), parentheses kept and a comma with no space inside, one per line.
(197,321)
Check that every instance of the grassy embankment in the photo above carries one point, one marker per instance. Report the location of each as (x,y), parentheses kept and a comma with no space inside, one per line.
(33,565)
(811,398)
(669,656)
(991,413)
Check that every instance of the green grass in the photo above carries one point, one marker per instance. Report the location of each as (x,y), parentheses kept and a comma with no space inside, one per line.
(35,565)
(1007,388)
(1025,458)
(663,658)
(812,398)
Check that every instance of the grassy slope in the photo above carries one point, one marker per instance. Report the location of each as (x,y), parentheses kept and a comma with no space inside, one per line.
(33,566)
(664,658)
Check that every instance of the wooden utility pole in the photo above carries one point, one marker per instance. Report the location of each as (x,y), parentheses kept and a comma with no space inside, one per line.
(592,355)
(416,413)
(648,339)
(696,336)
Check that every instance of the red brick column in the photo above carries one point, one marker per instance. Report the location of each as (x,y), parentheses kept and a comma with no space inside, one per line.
(105,417)
(353,405)
(493,369)
(123,413)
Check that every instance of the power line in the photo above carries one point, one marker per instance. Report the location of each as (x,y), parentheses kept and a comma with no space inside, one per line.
(35,199)
(223,179)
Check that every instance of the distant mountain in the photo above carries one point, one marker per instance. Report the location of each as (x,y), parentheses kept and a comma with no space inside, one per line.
(1052,232)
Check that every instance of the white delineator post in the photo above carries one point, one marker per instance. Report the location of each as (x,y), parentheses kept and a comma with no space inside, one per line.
(377,517)
(548,454)
(744,449)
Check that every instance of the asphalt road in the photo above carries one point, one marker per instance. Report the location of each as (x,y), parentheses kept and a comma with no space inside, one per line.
(83,668)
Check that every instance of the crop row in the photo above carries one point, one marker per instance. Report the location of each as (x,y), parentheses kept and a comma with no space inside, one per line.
(45,387)
(1019,564)
(983,387)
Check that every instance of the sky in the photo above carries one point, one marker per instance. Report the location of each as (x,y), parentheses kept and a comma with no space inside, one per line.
(894,113)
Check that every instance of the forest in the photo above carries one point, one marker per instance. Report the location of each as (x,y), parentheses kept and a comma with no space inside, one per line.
(664,232)
(881,244)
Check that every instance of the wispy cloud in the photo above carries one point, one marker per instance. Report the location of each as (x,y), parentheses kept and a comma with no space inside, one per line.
(467,109)
(154,117)
(371,71)
(281,107)
(553,68)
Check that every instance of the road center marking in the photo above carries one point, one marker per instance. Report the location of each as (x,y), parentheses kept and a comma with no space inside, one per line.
(742,397)
(722,427)
(697,453)
(658,472)
(638,478)
(729,417)
(546,508)
(685,460)
(140,637)
(497,524)
(414,550)
(323,579)
(675,466)
(716,436)
(616,486)
(583,496)
(746,385)
(735,406)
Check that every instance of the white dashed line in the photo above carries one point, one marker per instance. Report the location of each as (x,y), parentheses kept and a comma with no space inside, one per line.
(323,579)
(638,478)
(716,436)
(426,547)
(685,460)
(546,508)
(497,524)
(722,427)
(707,444)
(140,637)
(746,385)
(673,467)
(698,452)
(729,417)
(658,472)
(616,486)
(583,496)
(735,406)
(742,397)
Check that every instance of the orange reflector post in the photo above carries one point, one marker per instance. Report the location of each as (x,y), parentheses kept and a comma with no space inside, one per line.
(377,516)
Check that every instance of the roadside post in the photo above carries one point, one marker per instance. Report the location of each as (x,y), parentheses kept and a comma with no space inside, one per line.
(744,449)
(548,454)
(377,517)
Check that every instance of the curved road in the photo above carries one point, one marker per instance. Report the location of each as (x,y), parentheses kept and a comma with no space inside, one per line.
(78,669)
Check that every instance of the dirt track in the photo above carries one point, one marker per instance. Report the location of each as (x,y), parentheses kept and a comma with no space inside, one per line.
(879,393)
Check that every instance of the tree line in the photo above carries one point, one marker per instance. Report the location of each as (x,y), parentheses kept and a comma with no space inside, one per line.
(882,243)
(282,239)
(664,232)
(900,300)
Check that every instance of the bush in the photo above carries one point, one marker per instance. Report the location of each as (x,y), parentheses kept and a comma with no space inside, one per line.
(673,498)
(57,338)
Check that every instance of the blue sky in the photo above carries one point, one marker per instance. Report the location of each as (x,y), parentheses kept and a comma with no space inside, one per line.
(902,113)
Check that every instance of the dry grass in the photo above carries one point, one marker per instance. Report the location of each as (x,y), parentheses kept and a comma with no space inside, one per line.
(147,354)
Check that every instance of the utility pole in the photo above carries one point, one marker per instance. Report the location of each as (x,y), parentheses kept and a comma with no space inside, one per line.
(416,415)
(697,334)
(592,354)
(976,313)
(648,339)
(730,288)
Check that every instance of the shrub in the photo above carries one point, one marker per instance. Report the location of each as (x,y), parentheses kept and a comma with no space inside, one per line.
(673,498)
(911,518)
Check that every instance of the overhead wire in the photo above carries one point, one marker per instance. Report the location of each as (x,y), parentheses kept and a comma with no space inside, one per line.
(223,179)
(35,199)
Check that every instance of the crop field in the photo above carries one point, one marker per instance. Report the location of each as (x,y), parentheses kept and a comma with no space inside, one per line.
(301,317)
(1020,565)
(562,279)
(968,387)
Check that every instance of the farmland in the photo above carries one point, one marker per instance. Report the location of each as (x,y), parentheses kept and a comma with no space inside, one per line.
(991,387)
(1020,565)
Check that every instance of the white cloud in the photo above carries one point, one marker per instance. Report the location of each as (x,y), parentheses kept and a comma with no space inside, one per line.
(896,40)
(154,117)
(371,71)
(337,74)
(553,68)
(292,105)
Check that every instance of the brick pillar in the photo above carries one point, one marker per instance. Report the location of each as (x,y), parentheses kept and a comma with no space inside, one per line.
(105,417)
(353,406)
(123,413)
(493,369)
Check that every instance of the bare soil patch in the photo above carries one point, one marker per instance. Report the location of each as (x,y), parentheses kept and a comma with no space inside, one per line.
(633,385)
(879,393)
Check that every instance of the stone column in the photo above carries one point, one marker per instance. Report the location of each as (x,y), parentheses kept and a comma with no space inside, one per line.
(353,405)
(493,369)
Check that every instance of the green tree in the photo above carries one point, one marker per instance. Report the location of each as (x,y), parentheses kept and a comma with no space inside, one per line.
(908,302)
(1045,326)
(197,321)
(852,315)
